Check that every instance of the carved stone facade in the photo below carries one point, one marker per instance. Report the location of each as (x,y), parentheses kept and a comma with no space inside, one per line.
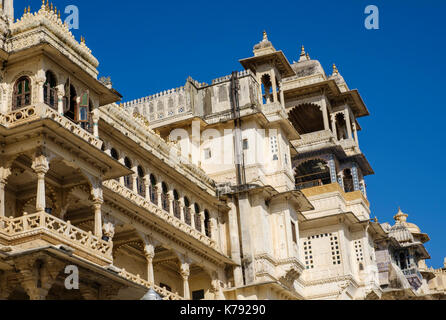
(100,200)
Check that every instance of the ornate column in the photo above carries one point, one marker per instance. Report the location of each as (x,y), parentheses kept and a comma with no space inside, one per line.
(171,198)
(203,229)
(192,216)
(98,200)
(149,253)
(181,201)
(274,86)
(4,174)
(282,95)
(348,122)
(60,102)
(324,110)
(147,186)
(40,166)
(134,182)
(159,191)
(40,81)
(332,166)
(355,133)
(185,273)
(333,125)
(95,124)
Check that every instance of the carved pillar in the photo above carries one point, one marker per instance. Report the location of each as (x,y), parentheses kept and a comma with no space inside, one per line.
(355,133)
(149,252)
(333,126)
(40,82)
(98,200)
(159,191)
(348,122)
(185,273)
(355,175)
(108,229)
(282,95)
(324,110)
(134,182)
(181,201)
(147,186)
(203,229)
(95,124)
(192,216)
(4,174)
(274,86)
(40,166)
(171,199)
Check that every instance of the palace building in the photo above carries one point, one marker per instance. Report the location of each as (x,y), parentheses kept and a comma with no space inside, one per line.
(251,187)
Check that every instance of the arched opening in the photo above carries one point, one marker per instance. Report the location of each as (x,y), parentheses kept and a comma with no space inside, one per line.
(341,127)
(307,118)
(187,216)
(207,223)
(267,89)
(128,180)
(140,182)
(165,197)
(114,154)
(22,93)
(49,90)
(70,101)
(348,181)
(403,261)
(176,204)
(197,217)
(153,190)
(312,173)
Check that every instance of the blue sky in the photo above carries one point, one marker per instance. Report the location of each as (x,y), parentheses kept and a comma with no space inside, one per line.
(148,46)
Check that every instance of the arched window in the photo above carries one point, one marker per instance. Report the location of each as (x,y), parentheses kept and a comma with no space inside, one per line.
(128,180)
(312,173)
(153,190)
(176,204)
(197,217)
(207,223)
(341,127)
(70,101)
(49,90)
(140,182)
(114,154)
(165,197)
(348,181)
(307,118)
(267,89)
(22,93)
(187,216)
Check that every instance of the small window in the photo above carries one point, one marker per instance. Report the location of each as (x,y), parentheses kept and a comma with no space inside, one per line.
(245,144)
(293,232)
(22,93)
(198,295)
(114,154)
(207,153)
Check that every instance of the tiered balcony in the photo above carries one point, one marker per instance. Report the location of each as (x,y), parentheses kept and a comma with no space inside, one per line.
(42,111)
(42,229)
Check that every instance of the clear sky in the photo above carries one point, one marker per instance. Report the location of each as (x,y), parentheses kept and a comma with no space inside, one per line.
(150,46)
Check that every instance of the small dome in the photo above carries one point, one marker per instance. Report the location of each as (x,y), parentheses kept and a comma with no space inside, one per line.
(263,47)
(413,228)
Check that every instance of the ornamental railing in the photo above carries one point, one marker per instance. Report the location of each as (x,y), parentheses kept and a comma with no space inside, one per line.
(43,111)
(31,225)
(159,212)
(163,292)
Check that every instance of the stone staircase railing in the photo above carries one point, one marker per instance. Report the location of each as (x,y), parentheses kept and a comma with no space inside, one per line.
(163,292)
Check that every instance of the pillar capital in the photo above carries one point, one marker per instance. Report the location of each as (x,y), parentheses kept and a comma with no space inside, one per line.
(40,164)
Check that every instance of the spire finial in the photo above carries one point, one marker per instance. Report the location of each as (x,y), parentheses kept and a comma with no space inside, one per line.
(302,52)
(335,71)
(265,35)
(400,217)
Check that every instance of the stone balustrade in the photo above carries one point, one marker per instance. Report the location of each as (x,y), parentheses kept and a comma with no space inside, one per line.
(159,212)
(163,292)
(55,231)
(314,138)
(42,111)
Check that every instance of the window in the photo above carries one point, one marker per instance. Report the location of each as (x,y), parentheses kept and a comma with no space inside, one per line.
(308,251)
(198,295)
(274,147)
(176,204)
(197,217)
(22,93)
(128,180)
(114,154)
(335,250)
(207,153)
(153,190)
(207,223)
(359,251)
(293,232)
(187,216)
(245,144)
(165,197)
(49,90)
(140,182)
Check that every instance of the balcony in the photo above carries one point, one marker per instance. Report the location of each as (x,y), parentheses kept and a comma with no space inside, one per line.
(141,202)
(319,137)
(42,227)
(334,187)
(42,111)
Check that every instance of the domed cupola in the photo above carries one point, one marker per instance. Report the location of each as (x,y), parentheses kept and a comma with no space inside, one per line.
(400,231)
